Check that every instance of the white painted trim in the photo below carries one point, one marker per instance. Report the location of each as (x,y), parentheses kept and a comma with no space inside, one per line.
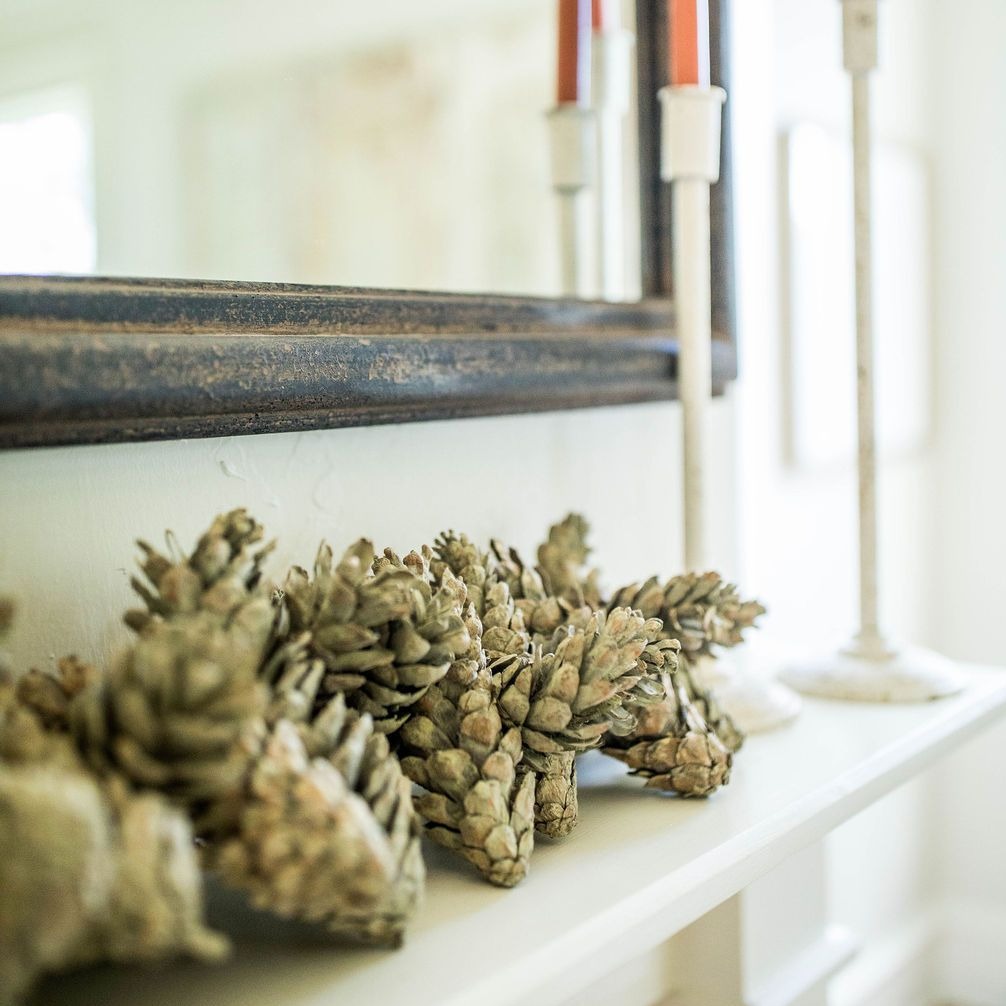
(972,958)
(892,970)
(954,952)
(807,970)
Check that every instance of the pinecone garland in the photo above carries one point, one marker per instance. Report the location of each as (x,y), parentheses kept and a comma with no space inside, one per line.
(306,846)
(673,748)
(475,801)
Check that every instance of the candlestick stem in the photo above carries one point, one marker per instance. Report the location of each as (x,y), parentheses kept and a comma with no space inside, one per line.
(869,628)
(860,57)
(573,131)
(690,160)
(693,306)
(572,231)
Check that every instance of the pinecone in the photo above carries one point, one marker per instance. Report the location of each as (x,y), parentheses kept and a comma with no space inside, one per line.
(475,801)
(465,560)
(172,713)
(701,611)
(706,705)
(307,846)
(6,620)
(566,700)
(92,872)
(220,574)
(673,748)
(562,561)
(49,695)
(504,636)
(88,870)
(542,612)
(347,740)
(384,637)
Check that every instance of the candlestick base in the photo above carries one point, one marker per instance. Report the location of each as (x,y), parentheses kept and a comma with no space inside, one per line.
(755,702)
(872,674)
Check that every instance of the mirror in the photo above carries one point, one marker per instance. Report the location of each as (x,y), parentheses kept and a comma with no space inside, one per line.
(386,144)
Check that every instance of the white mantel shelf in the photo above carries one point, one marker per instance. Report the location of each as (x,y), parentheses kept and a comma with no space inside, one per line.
(639,868)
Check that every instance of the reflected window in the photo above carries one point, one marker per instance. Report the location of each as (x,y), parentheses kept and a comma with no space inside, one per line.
(46,191)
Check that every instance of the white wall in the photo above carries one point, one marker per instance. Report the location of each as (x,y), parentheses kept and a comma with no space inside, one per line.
(68,516)
(970,492)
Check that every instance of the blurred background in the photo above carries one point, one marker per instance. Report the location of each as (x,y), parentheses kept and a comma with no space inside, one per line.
(224,140)
(388,144)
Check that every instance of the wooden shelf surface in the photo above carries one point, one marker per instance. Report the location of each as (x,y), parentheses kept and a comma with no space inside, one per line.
(639,867)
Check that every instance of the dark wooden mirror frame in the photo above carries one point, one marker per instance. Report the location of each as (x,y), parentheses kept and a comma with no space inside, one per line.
(86,360)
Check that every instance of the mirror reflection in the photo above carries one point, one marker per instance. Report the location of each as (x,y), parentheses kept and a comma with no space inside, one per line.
(386,144)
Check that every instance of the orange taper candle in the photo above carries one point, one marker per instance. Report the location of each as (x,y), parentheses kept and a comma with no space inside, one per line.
(573,76)
(688,26)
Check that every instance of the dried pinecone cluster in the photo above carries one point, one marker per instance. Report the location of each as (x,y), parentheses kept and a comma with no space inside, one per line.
(286,729)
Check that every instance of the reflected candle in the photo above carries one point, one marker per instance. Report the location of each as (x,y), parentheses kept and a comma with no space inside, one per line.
(688,51)
(573,76)
(604,15)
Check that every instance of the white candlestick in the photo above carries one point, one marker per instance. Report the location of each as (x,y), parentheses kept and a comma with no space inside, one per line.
(870,669)
(690,160)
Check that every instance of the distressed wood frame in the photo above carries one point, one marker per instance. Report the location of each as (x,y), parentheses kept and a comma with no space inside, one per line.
(87,360)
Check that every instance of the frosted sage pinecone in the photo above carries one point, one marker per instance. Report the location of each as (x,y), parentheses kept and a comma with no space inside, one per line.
(505,635)
(220,574)
(306,846)
(702,612)
(6,619)
(92,872)
(89,871)
(566,700)
(542,612)
(562,562)
(465,560)
(475,802)
(172,713)
(49,695)
(346,739)
(707,706)
(384,637)
(673,748)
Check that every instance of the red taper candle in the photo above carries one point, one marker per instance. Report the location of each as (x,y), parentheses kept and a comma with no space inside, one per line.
(573,65)
(688,28)
(604,15)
